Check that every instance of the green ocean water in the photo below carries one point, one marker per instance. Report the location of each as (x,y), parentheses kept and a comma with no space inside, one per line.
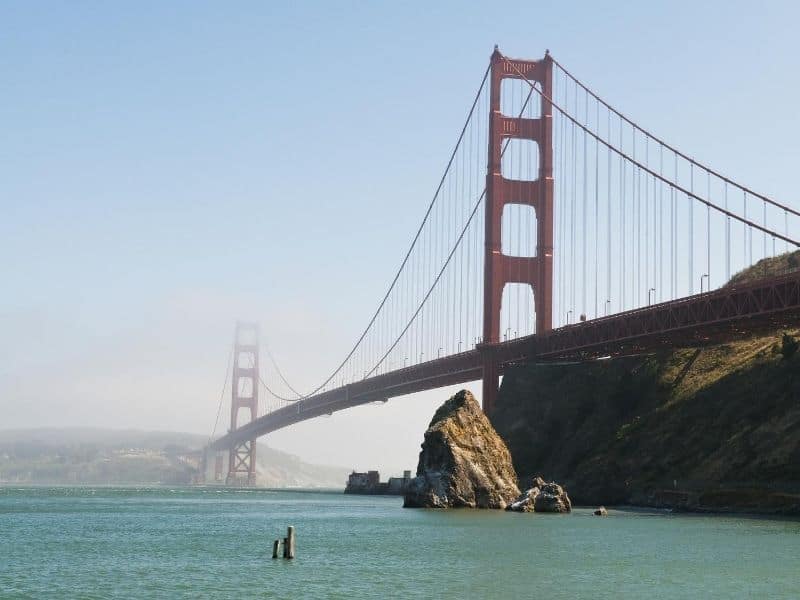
(210,543)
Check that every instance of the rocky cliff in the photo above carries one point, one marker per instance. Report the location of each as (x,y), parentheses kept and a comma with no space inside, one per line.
(716,428)
(463,462)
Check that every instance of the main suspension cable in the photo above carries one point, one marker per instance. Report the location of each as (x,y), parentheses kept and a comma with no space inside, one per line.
(280,374)
(222,394)
(411,248)
(670,147)
(449,256)
(646,169)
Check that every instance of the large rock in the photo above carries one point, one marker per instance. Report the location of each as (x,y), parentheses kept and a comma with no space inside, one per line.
(542,497)
(463,463)
(552,498)
(525,502)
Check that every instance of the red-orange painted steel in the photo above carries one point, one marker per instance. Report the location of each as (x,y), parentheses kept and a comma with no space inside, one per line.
(501,269)
(244,395)
(726,314)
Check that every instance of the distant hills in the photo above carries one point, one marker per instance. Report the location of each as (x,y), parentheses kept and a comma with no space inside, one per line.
(118,457)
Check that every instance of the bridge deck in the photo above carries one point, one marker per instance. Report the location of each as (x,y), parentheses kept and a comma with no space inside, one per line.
(717,316)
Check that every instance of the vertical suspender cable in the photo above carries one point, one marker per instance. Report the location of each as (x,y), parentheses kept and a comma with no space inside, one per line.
(647,221)
(764,223)
(786,228)
(637,225)
(708,233)
(596,207)
(585,204)
(467,291)
(561,209)
(660,223)
(623,235)
(608,222)
(675,234)
(748,248)
(574,200)
(727,238)
(519,215)
(690,245)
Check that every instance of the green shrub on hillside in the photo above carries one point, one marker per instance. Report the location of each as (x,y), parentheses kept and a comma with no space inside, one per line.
(788,346)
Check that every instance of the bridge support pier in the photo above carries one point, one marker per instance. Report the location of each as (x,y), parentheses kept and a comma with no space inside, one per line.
(491,378)
(217,468)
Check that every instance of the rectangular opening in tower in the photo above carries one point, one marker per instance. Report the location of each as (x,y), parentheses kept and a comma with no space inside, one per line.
(244,388)
(243,416)
(246,359)
(517,311)
(518,230)
(517,98)
(520,160)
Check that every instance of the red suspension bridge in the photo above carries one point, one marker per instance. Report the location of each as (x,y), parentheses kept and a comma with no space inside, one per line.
(580,234)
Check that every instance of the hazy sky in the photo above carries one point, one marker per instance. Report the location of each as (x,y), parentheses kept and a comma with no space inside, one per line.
(166,168)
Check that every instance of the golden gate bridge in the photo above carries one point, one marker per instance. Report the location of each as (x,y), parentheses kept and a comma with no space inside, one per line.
(560,228)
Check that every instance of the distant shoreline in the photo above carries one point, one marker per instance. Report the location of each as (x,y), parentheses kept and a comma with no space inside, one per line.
(622,508)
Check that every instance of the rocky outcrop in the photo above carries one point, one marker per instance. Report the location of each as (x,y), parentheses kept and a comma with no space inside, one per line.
(542,497)
(552,498)
(463,462)
(711,429)
(601,512)
(525,502)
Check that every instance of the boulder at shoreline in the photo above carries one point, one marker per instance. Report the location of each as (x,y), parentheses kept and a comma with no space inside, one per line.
(542,497)
(463,462)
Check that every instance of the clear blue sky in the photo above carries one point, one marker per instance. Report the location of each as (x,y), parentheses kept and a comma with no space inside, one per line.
(168,167)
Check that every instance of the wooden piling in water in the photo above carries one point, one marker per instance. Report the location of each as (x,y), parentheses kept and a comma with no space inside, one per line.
(288,543)
(275,546)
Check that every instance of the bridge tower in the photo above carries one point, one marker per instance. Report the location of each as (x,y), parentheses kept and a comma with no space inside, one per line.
(244,390)
(499,268)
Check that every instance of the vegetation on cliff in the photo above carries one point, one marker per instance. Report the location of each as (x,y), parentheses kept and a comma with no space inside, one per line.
(717,427)
(712,428)
(768,267)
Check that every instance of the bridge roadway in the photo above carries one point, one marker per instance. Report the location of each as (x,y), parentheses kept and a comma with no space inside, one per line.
(726,314)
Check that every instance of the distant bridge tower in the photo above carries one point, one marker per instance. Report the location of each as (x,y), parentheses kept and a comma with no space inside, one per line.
(242,457)
(499,268)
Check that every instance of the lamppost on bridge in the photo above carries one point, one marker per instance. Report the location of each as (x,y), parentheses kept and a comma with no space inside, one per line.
(439,352)
(405,362)
(705,276)
(653,290)
(608,304)
(569,312)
